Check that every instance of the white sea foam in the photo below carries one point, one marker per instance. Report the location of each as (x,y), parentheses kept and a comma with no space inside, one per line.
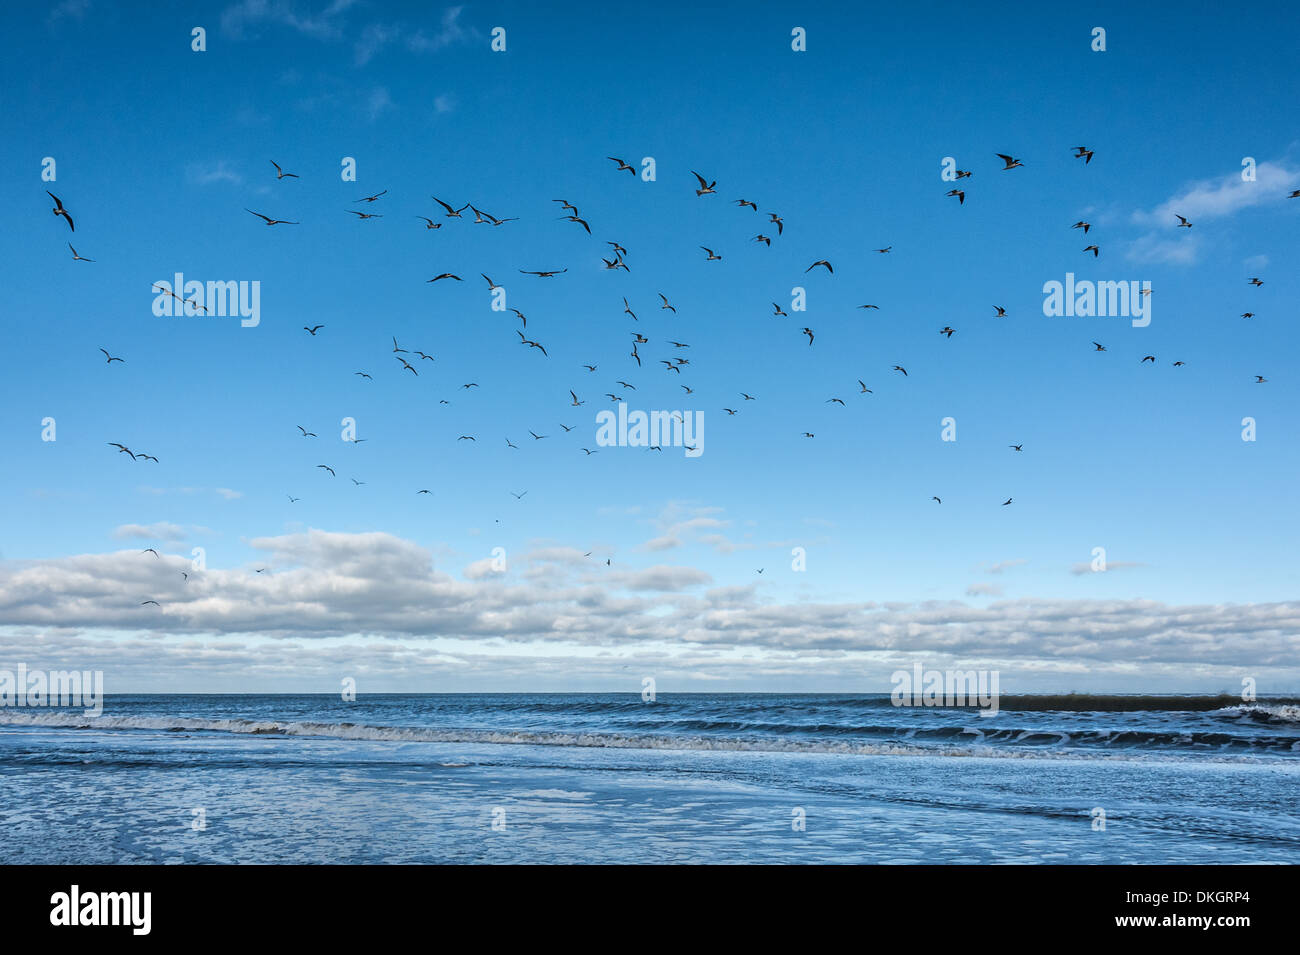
(1282,712)
(727,744)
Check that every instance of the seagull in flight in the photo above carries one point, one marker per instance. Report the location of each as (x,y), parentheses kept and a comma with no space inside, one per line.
(817,263)
(327,468)
(280,173)
(1098,346)
(545,275)
(305,432)
(1010,162)
(429,223)
(58,209)
(1085,226)
(451,213)
(705,188)
(1084,153)
(78,258)
(712,255)
(111,359)
(1182,222)
(270,221)
(622,165)
(149,550)
(902,369)
(374,197)
(809,333)
(313,330)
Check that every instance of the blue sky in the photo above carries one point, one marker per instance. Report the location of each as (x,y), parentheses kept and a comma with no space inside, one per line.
(160,150)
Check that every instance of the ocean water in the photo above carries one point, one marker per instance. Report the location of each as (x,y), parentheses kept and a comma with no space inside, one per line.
(688,778)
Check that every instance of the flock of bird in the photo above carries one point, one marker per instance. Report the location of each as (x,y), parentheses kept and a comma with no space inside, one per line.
(617,259)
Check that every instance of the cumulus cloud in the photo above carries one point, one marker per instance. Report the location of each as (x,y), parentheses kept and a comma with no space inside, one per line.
(321,585)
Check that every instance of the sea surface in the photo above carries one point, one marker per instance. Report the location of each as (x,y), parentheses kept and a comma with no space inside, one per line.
(687,778)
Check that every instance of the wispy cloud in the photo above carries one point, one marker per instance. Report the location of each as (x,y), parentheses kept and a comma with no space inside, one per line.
(206,173)
(160,531)
(1204,201)
(378,102)
(1223,196)
(1153,248)
(324,23)
(223,492)
(1086,568)
(68,10)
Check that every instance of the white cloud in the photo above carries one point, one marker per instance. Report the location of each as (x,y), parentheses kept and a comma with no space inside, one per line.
(322,585)
(1223,196)
(1153,248)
